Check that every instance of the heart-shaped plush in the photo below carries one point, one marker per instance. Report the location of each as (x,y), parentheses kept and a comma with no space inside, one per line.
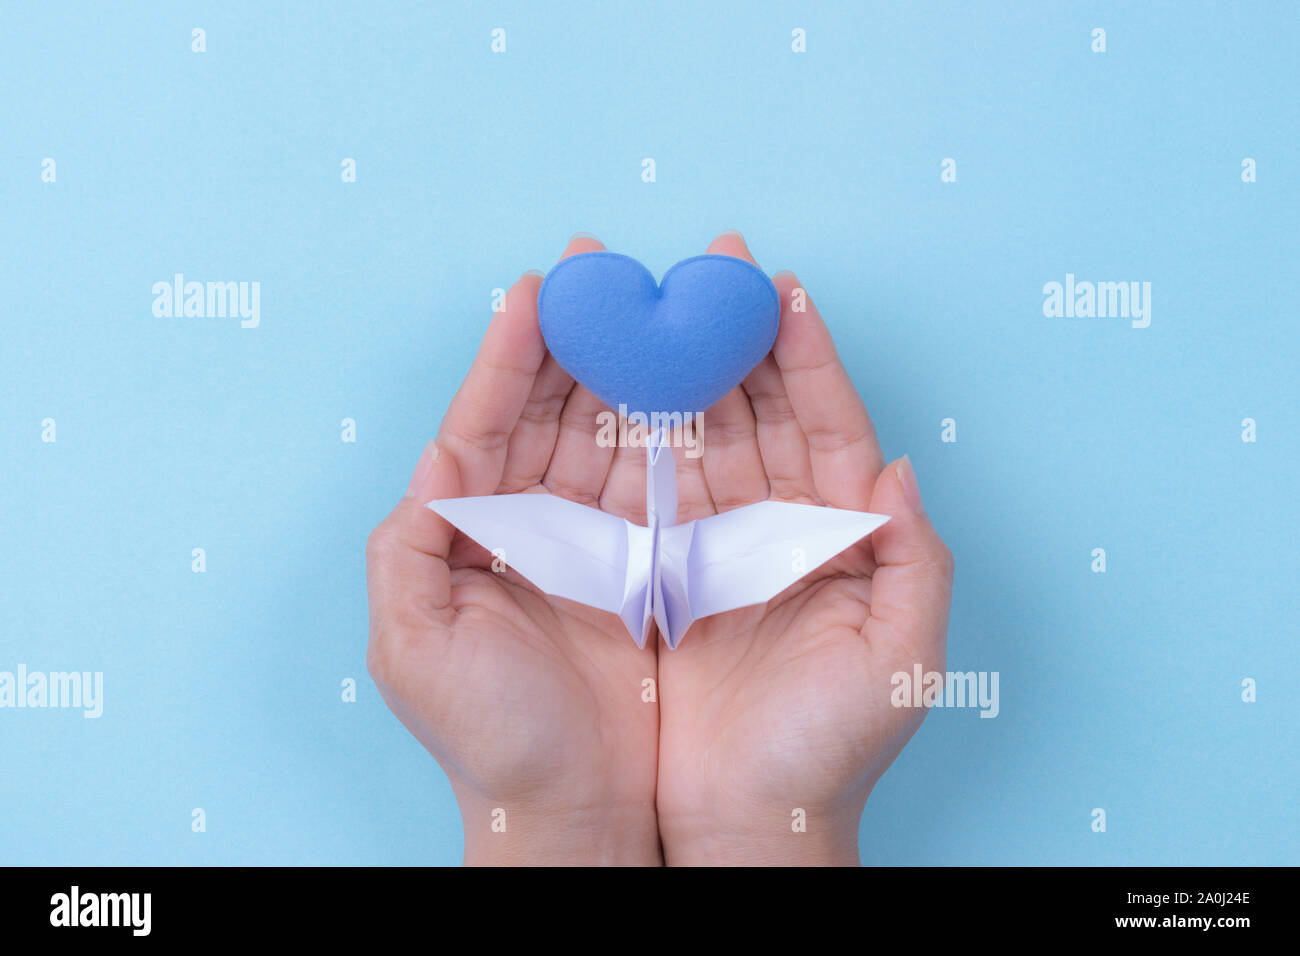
(675,346)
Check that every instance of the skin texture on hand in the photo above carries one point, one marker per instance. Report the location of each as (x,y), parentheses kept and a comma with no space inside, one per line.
(536,707)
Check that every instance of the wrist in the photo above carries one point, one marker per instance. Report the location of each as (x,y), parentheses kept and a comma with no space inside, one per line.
(506,834)
(770,836)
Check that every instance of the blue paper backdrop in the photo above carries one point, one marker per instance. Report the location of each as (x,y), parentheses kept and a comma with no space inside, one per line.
(1120,690)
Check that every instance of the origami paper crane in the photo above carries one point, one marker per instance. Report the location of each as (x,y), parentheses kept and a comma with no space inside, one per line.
(666,573)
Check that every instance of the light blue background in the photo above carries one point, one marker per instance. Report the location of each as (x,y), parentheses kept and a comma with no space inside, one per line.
(1119,690)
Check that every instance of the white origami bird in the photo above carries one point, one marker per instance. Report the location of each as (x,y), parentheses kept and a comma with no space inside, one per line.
(669,573)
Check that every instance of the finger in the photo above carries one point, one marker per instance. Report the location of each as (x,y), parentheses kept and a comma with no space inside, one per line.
(911,589)
(581,242)
(532,443)
(842,446)
(733,464)
(476,430)
(781,444)
(623,494)
(580,461)
(694,499)
(407,577)
(781,441)
(586,457)
(731,243)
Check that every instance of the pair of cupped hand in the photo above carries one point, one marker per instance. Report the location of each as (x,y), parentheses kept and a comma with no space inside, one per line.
(759,739)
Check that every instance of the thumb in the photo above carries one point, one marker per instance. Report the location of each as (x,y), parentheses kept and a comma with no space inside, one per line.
(911,590)
(406,555)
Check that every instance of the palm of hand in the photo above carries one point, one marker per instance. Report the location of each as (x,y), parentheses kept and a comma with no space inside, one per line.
(554,685)
(781,706)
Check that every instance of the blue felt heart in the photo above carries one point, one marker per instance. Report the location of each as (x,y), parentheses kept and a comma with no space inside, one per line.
(675,346)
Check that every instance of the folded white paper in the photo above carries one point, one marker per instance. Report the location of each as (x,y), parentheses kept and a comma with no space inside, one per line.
(671,574)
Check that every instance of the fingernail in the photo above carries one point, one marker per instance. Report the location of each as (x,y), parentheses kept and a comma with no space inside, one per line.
(733,232)
(534,272)
(783,272)
(911,490)
(580,235)
(423,469)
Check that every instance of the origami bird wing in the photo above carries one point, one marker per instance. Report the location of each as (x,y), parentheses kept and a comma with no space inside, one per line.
(564,548)
(669,573)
